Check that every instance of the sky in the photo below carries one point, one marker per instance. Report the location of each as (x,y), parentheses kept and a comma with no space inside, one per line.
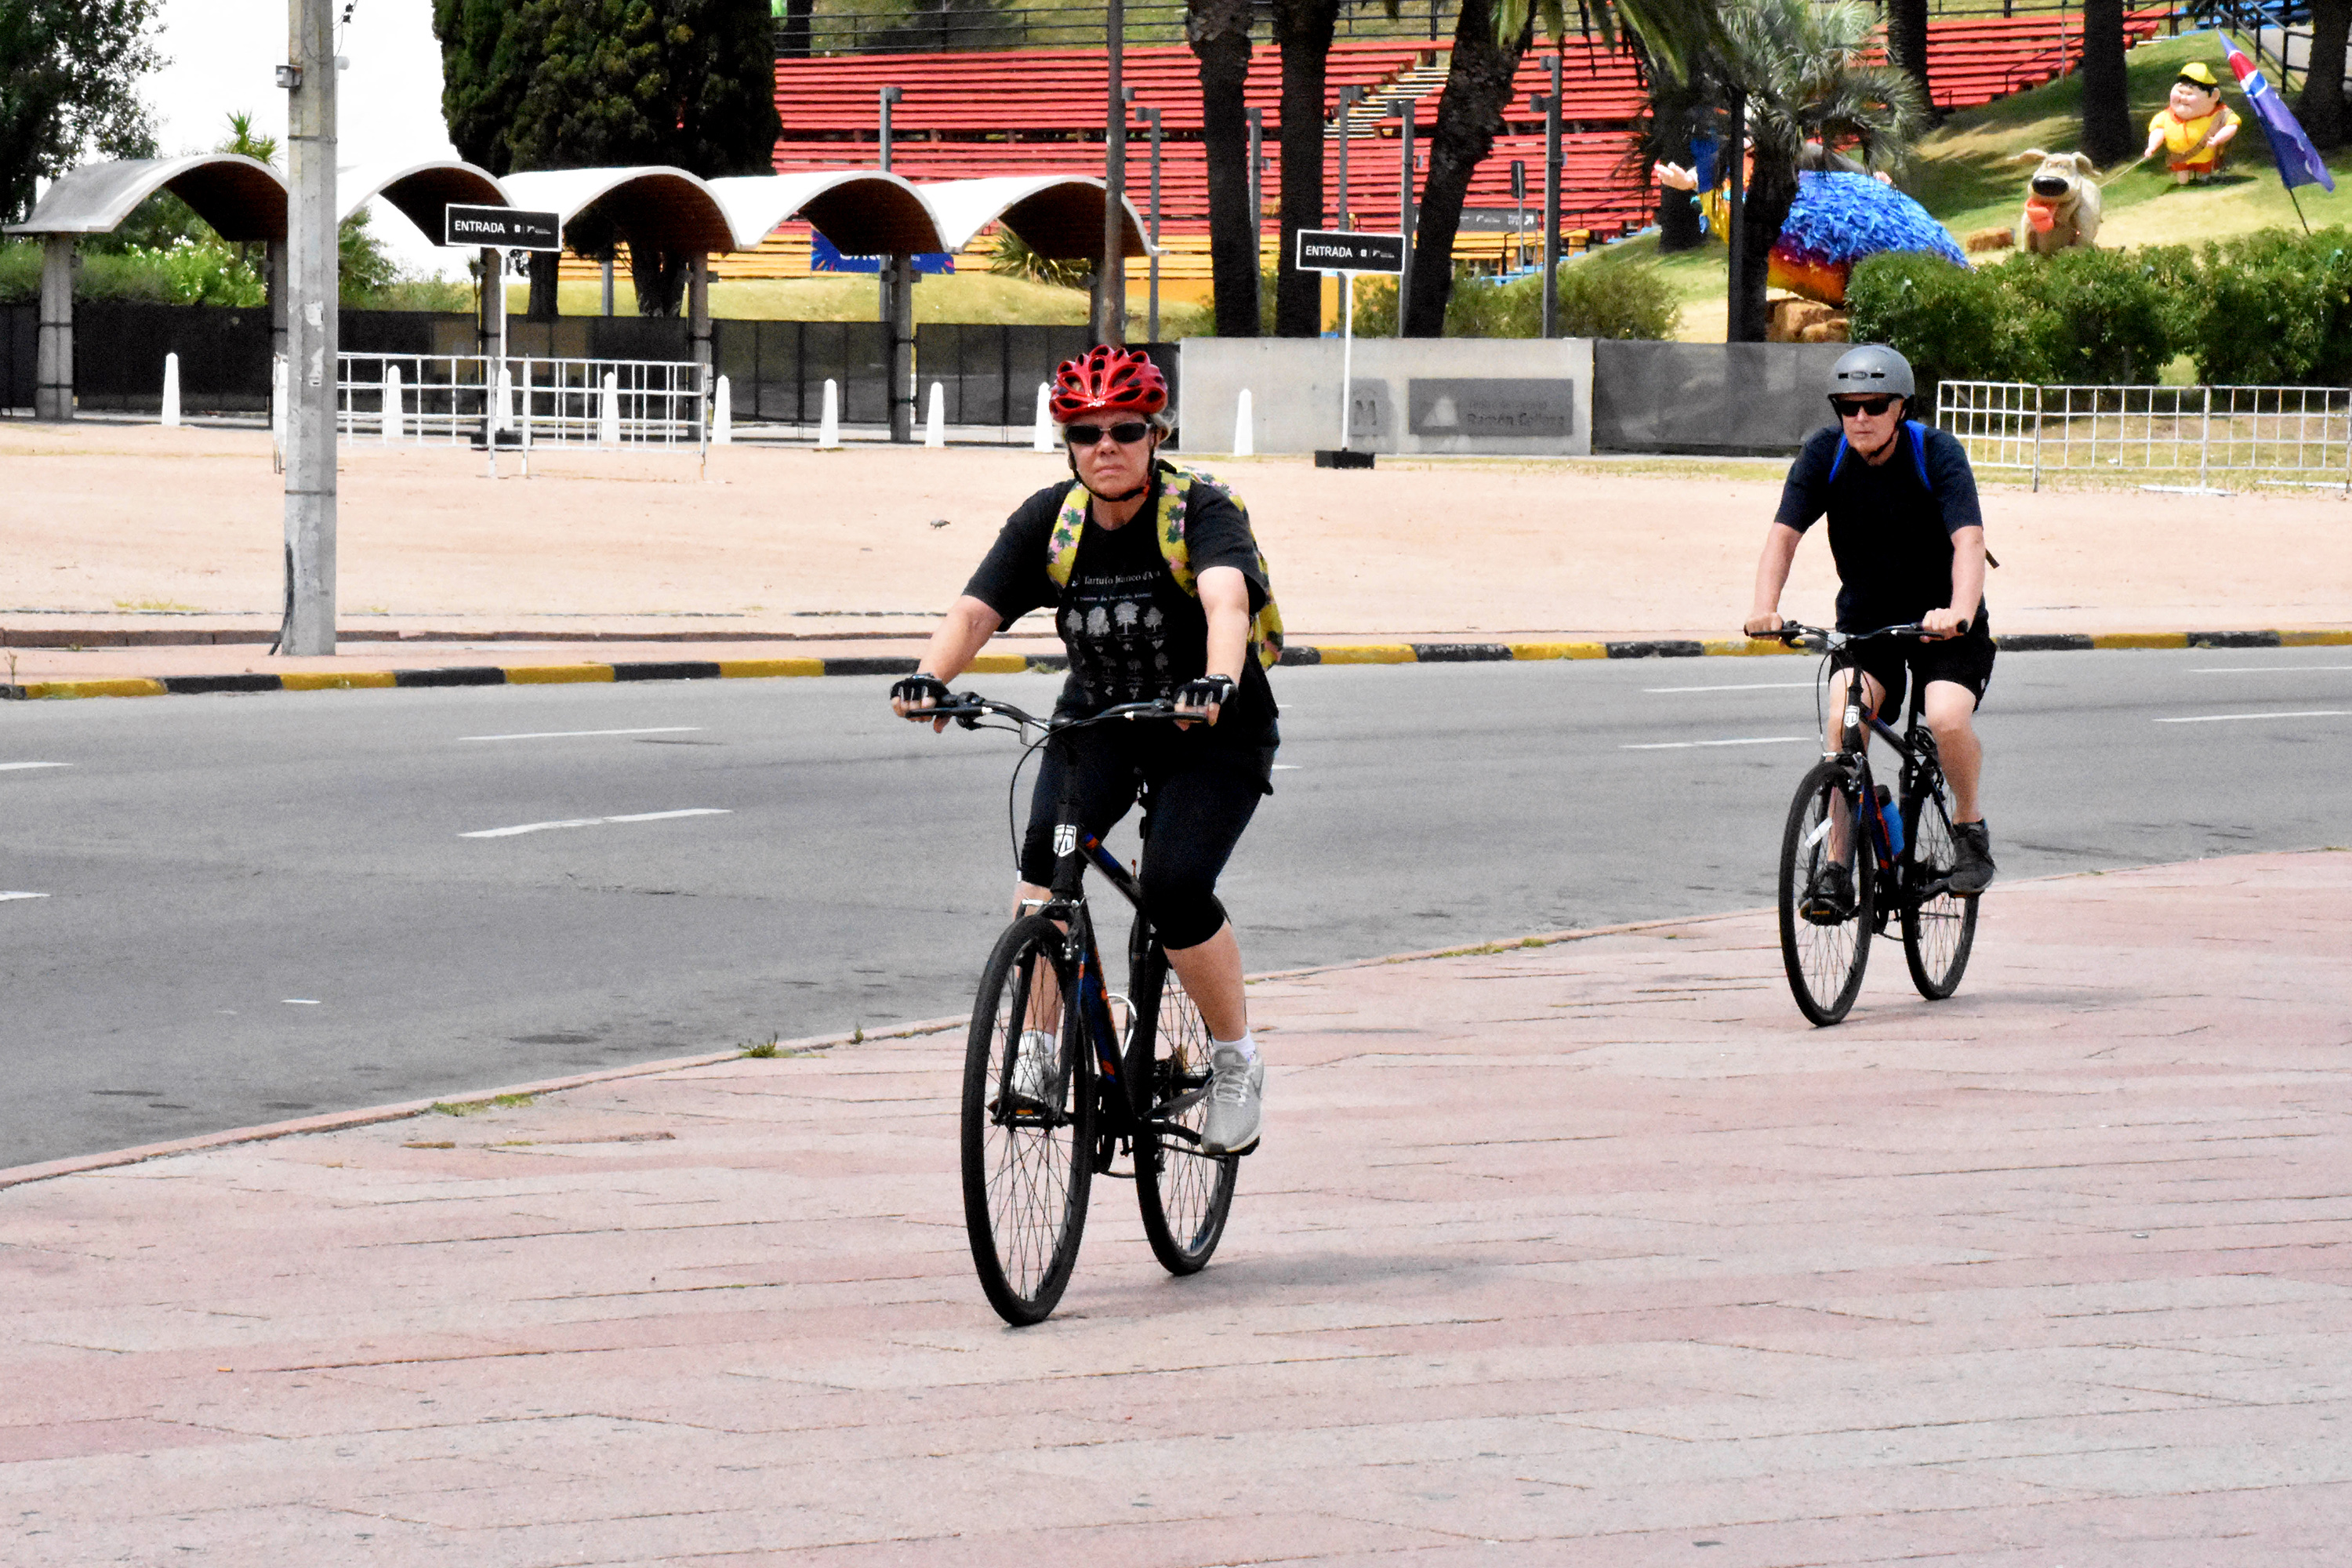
(223,56)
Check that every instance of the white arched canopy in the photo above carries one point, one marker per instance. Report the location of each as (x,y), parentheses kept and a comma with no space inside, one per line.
(663,208)
(420,189)
(1059,216)
(864,211)
(241,197)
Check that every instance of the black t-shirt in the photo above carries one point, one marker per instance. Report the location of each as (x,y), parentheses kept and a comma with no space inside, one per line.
(1133,635)
(1891,526)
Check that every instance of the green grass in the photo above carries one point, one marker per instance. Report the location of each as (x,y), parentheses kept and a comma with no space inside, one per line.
(847,297)
(482,1107)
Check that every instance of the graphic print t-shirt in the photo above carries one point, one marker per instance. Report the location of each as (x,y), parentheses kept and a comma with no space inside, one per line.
(1133,635)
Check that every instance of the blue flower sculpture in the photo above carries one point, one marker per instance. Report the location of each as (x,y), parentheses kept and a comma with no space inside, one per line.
(1838,220)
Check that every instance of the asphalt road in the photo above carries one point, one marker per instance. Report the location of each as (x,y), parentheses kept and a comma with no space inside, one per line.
(251,907)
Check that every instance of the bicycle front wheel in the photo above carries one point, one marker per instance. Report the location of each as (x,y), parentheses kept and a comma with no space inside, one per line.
(1185,1194)
(1938,932)
(1824,949)
(1028,1135)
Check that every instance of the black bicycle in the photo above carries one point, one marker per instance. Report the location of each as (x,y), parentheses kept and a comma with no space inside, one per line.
(1063,1076)
(1899,863)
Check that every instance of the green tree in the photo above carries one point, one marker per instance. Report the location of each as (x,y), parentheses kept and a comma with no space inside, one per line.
(556,84)
(1303,28)
(2321,107)
(1907,45)
(68,88)
(1798,63)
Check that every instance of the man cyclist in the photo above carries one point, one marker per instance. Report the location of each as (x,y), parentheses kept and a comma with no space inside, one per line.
(1100,554)
(1909,546)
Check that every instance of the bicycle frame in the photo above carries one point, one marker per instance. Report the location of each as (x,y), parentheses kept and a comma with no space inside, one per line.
(1921,769)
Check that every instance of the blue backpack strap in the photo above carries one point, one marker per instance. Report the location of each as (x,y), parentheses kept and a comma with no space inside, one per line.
(1838,461)
(1920,451)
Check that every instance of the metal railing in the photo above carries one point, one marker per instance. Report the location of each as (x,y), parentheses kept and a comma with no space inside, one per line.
(2170,437)
(446,399)
(930,26)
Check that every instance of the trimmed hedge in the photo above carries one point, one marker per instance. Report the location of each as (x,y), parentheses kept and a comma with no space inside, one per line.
(2264,309)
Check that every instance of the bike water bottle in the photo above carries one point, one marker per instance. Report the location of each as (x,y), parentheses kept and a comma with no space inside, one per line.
(1891,819)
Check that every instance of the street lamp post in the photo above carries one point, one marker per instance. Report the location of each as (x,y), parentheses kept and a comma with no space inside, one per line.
(1110,295)
(1349,97)
(1547,105)
(1402,108)
(1258,207)
(1150,117)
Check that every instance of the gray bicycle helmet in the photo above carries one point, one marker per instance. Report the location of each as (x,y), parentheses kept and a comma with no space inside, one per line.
(1873,367)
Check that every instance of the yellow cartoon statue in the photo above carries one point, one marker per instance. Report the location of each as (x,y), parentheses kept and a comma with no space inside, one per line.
(2194,127)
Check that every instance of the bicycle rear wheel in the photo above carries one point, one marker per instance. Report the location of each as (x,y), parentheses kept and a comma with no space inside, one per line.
(1938,932)
(1185,1194)
(1027,1163)
(1824,956)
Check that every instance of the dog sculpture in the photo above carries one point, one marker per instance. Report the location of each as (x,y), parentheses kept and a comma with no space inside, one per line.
(2062,204)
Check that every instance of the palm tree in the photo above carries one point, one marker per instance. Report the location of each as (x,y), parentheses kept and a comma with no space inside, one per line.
(2321,107)
(1798,65)
(2108,136)
(1219,32)
(1906,44)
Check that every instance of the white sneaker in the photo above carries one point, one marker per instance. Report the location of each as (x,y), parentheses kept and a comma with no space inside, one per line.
(1033,1065)
(1236,1101)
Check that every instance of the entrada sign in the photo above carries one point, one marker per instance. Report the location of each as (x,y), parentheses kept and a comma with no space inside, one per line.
(1343,250)
(502,228)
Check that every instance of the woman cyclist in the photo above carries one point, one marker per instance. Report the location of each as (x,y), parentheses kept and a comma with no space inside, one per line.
(1111,555)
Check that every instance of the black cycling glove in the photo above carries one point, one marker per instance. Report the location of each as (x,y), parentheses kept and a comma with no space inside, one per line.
(915,688)
(1208,691)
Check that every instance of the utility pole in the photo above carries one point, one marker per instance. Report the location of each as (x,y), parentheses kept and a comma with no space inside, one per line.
(1735,149)
(1150,117)
(1349,97)
(1257,209)
(885,96)
(1549,106)
(1402,108)
(311,258)
(1110,293)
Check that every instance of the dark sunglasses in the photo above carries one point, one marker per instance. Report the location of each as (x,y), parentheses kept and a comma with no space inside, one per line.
(1126,435)
(1848,407)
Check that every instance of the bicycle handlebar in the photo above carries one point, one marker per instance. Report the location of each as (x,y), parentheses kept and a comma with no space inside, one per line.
(968,707)
(1830,640)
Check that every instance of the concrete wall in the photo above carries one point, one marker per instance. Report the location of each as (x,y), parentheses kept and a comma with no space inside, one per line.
(1504,396)
(1709,397)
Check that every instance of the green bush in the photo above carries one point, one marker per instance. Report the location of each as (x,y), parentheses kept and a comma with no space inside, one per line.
(2093,317)
(2274,310)
(1952,324)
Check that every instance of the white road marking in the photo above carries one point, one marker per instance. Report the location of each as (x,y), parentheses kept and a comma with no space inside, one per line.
(2272,668)
(1286,767)
(18,768)
(594,822)
(571,734)
(4,897)
(1686,745)
(2304,713)
(301,1000)
(1755,686)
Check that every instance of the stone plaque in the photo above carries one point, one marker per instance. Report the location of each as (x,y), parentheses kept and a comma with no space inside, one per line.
(1492,408)
(1368,411)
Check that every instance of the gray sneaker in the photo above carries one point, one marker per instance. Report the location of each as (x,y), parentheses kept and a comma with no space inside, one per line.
(1236,1103)
(1034,1066)
(1971,858)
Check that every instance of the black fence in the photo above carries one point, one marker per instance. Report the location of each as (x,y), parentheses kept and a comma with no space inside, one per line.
(20,327)
(776,371)
(940,25)
(990,373)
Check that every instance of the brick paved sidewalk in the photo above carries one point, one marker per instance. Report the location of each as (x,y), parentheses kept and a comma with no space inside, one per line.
(1592,1250)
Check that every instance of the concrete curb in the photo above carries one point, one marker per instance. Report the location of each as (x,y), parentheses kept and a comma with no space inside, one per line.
(1015,664)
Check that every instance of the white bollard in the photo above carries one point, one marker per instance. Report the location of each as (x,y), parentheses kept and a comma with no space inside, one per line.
(277,401)
(394,416)
(935,419)
(1043,441)
(506,404)
(608,413)
(1245,433)
(828,429)
(170,392)
(722,415)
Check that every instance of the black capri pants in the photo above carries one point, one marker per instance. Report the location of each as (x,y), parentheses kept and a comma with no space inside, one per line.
(1203,796)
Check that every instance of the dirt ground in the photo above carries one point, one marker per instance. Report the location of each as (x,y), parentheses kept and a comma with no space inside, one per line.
(185,525)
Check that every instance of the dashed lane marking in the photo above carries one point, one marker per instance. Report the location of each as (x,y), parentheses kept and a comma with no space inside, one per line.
(2272,669)
(1688,745)
(1750,686)
(594,822)
(572,734)
(4,897)
(2301,713)
(20,767)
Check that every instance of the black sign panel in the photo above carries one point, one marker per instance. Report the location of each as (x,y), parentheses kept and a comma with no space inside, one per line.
(1501,220)
(501,229)
(1339,250)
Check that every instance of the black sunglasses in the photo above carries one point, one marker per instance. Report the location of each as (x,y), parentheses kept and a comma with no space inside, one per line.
(1126,435)
(1848,407)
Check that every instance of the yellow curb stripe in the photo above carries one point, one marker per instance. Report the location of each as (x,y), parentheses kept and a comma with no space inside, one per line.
(1559,650)
(1749,647)
(757,669)
(2315,639)
(131,687)
(557,674)
(2140,639)
(1000,664)
(1366,653)
(332,680)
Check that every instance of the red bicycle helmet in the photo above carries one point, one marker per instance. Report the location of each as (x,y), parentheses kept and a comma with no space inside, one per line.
(1107,380)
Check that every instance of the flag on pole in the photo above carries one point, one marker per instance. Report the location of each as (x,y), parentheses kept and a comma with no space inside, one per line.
(2298,161)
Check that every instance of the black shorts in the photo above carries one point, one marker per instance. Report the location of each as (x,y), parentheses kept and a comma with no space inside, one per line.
(1965,660)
